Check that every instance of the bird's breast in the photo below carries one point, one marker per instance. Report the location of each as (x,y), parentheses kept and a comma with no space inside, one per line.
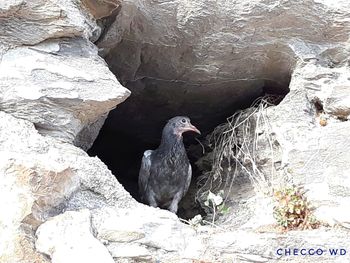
(168,175)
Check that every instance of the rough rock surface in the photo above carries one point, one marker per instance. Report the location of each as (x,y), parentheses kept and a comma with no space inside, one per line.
(53,84)
(212,57)
(31,22)
(44,177)
(311,128)
(52,81)
(51,74)
(203,57)
(101,8)
(313,133)
(60,238)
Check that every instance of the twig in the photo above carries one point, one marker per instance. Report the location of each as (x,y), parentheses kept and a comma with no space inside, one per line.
(235,144)
(203,149)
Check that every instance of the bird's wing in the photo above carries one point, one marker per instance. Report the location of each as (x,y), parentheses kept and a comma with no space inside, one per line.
(144,172)
(188,179)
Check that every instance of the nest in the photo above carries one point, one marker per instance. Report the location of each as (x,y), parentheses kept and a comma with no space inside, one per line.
(235,150)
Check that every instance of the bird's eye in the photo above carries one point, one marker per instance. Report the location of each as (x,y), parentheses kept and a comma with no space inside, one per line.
(183,120)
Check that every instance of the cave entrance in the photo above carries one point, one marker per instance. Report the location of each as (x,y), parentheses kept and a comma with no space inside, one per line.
(136,126)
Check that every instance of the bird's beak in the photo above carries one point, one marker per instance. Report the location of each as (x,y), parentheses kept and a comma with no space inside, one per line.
(192,128)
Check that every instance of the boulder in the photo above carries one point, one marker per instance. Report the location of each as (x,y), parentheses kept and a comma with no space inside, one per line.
(61,86)
(64,241)
(157,229)
(32,22)
(41,178)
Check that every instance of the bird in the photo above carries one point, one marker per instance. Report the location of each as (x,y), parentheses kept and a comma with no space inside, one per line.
(166,172)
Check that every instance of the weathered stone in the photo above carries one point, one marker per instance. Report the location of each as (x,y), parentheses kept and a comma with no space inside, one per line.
(17,202)
(31,22)
(315,156)
(118,250)
(101,8)
(309,154)
(209,58)
(262,247)
(143,225)
(40,178)
(202,58)
(68,238)
(86,137)
(60,86)
(338,103)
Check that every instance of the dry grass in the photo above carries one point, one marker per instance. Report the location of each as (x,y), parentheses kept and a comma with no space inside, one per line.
(235,146)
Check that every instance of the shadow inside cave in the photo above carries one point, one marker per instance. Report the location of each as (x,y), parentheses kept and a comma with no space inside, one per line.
(125,136)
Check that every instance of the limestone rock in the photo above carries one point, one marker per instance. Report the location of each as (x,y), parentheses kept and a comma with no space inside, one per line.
(43,177)
(262,247)
(60,86)
(309,153)
(18,202)
(206,58)
(101,8)
(128,251)
(314,155)
(338,103)
(31,22)
(214,57)
(68,238)
(144,225)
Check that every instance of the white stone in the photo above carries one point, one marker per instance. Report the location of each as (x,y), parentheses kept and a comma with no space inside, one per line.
(143,225)
(31,22)
(60,91)
(68,238)
(120,250)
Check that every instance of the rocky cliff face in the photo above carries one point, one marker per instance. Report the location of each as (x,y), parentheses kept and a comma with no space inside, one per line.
(202,58)
(212,57)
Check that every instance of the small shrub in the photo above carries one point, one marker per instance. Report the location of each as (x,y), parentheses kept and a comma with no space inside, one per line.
(292,209)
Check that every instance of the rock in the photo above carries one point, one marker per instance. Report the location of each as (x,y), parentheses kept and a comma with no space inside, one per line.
(143,225)
(43,177)
(118,250)
(309,149)
(68,238)
(22,144)
(31,22)
(201,58)
(214,57)
(86,137)
(262,247)
(306,152)
(46,177)
(338,103)
(101,8)
(60,86)
(18,201)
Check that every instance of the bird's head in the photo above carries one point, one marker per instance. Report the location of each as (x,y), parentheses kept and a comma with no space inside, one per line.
(181,124)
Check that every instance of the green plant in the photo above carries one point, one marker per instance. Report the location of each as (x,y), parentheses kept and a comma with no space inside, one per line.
(292,210)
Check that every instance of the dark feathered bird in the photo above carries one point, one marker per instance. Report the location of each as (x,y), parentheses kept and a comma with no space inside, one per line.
(165,173)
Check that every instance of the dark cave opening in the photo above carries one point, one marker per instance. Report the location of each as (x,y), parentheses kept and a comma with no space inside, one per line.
(122,153)
(171,74)
(136,125)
